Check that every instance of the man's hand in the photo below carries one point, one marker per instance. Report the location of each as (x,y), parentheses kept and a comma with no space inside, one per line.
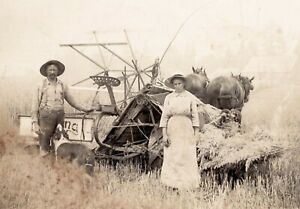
(36,128)
(88,110)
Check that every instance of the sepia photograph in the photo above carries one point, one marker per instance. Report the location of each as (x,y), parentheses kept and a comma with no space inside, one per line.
(182,104)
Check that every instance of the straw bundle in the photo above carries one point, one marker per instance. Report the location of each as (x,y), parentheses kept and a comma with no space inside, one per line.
(216,152)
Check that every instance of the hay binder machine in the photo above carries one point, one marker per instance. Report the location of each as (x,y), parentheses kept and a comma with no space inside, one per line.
(128,130)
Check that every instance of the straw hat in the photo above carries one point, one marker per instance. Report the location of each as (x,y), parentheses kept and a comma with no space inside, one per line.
(169,81)
(58,64)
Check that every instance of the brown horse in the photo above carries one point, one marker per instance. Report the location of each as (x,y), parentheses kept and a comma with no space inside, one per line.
(229,92)
(197,82)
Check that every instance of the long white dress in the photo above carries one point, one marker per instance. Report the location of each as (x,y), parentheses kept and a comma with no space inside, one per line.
(180,169)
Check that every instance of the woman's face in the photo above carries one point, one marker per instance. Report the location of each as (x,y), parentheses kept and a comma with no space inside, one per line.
(178,85)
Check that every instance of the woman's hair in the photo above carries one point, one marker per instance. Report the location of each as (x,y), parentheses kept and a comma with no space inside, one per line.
(178,78)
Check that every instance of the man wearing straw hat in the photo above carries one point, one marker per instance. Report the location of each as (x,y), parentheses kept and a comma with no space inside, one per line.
(48,104)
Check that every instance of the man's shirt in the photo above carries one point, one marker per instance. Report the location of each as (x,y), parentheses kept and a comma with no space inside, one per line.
(49,96)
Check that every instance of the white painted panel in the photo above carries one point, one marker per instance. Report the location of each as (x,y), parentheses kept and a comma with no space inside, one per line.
(72,125)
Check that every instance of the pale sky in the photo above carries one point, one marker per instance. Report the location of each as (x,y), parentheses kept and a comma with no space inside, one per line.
(31,30)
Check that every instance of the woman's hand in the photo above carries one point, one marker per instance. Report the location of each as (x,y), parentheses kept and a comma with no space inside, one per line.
(166,141)
(196,132)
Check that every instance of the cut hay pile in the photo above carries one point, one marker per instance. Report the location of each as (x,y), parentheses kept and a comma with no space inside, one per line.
(223,145)
(243,150)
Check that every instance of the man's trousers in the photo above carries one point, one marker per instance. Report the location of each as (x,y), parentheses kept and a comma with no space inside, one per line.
(48,120)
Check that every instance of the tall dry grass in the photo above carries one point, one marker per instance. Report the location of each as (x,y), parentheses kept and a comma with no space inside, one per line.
(15,97)
(30,182)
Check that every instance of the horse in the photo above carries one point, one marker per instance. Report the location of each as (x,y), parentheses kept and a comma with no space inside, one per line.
(197,82)
(229,92)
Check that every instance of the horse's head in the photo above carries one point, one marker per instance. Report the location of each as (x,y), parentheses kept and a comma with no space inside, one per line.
(201,73)
(246,83)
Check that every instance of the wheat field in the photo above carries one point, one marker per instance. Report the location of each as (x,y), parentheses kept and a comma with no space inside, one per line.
(28,182)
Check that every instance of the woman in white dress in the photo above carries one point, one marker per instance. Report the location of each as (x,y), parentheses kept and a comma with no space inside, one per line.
(180,127)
